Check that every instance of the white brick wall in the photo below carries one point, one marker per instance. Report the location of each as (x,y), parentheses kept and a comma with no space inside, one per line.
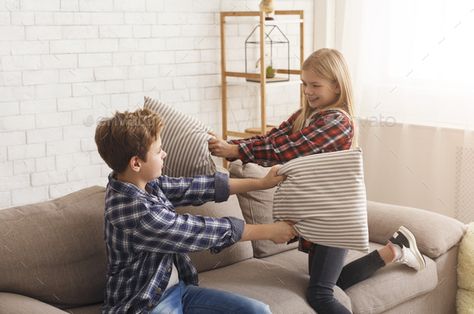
(66,63)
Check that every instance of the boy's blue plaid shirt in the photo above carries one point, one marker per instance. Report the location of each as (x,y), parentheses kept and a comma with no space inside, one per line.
(144,236)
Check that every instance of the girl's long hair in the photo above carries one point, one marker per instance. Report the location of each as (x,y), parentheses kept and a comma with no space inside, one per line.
(328,64)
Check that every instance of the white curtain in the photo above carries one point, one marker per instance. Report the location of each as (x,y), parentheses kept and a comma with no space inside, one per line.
(412,61)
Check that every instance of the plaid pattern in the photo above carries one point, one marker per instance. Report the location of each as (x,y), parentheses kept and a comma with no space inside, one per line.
(327,131)
(144,236)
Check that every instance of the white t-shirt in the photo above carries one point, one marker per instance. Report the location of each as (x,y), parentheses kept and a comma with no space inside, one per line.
(174,278)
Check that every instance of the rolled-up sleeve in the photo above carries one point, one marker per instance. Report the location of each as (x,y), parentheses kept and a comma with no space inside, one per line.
(194,191)
(222,188)
(238,226)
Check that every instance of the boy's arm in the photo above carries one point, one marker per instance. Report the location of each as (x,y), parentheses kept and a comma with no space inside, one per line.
(278,232)
(193,191)
(161,229)
(187,233)
(165,231)
(237,186)
(201,189)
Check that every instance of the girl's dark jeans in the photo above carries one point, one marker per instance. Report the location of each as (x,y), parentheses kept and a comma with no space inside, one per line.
(326,269)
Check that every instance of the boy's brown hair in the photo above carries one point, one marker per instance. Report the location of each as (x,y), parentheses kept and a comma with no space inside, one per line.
(125,135)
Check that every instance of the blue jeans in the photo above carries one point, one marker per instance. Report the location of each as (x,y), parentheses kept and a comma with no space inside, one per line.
(182,298)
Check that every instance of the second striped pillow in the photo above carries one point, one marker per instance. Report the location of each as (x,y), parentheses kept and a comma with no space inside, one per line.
(185,140)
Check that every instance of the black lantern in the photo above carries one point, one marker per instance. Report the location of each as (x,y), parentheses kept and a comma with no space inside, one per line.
(277,54)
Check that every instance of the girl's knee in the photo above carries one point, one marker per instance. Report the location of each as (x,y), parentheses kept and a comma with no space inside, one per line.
(319,298)
(322,300)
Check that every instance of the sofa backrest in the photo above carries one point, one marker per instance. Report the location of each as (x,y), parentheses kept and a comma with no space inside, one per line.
(435,233)
(54,251)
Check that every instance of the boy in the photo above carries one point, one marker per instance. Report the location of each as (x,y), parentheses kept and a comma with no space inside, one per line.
(147,241)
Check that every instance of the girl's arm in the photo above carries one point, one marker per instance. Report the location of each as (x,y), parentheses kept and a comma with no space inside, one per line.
(285,126)
(331,130)
(230,149)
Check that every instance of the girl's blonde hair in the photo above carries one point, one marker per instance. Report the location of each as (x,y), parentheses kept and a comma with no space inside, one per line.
(328,64)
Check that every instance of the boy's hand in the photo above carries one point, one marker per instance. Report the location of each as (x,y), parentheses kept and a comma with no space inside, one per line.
(220,148)
(282,232)
(272,179)
(238,185)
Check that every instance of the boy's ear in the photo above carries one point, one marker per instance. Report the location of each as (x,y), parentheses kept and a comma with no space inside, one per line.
(135,163)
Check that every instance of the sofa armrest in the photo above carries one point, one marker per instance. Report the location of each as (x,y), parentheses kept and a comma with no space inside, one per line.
(435,233)
(19,304)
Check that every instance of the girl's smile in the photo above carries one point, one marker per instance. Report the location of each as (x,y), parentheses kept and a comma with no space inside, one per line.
(320,93)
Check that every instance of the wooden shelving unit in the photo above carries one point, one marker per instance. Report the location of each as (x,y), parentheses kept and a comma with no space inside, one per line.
(258,78)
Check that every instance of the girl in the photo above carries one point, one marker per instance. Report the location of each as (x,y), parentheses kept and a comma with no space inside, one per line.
(324,124)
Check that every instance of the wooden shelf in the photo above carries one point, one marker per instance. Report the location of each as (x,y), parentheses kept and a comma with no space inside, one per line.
(267,23)
(230,17)
(249,83)
(258,131)
(269,80)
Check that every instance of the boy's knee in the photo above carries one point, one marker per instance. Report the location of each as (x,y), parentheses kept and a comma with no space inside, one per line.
(257,307)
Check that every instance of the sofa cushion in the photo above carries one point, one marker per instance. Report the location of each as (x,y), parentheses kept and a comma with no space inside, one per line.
(54,251)
(325,195)
(292,259)
(185,140)
(89,309)
(390,285)
(281,288)
(19,304)
(257,207)
(435,233)
(238,252)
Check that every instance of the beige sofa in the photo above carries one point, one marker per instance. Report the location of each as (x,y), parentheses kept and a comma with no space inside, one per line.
(53,261)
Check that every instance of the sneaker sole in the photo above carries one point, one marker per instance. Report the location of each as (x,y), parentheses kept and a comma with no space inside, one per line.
(411,239)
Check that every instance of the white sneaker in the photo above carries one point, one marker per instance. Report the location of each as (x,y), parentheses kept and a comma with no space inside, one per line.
(410,255)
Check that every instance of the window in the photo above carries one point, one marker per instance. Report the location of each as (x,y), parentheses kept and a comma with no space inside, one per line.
(412,61)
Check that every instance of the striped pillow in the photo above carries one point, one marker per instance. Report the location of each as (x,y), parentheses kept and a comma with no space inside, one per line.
(185,141)
(325,195)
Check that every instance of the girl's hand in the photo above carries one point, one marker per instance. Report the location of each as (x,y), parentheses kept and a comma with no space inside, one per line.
(272,179)
(220,148)
(282,232)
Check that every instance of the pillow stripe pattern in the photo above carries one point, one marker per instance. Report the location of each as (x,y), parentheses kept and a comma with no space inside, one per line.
(185,141)
(325,195)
